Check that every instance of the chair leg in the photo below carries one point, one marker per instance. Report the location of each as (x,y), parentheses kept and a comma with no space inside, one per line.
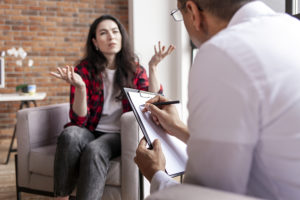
(141,181)
(11,149)
(17,184)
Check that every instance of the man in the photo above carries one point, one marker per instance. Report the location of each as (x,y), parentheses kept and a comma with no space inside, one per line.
(243,132)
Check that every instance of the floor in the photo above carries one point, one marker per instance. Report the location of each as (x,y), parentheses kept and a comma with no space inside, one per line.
(7,177)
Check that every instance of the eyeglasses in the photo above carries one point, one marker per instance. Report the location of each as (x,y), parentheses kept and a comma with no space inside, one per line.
(176,14)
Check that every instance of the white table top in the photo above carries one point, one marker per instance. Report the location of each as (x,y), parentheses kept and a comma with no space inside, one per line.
(22,96)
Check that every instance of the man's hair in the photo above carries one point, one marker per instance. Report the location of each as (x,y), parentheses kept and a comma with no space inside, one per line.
(223,9)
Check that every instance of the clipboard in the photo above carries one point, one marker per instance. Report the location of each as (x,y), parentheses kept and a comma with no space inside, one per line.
(173,148)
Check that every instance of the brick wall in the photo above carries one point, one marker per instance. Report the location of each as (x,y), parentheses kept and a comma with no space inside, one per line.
(53,33)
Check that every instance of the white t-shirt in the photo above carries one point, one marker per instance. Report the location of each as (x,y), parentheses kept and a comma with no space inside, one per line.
(244,106)
(112,109)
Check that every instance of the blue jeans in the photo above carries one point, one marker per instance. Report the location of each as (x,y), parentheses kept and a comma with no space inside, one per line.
(82,159)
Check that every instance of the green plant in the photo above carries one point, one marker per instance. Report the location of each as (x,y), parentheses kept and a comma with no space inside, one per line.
(22,88)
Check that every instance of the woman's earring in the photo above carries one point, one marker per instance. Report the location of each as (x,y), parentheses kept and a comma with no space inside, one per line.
(97,49)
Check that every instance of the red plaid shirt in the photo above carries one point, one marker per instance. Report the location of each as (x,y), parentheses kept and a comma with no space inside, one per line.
(95,97)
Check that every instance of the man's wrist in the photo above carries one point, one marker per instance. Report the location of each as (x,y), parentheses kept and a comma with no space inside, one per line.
(182,132)
(152,174)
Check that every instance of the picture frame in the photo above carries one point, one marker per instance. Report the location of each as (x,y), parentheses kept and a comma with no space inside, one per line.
(2,73)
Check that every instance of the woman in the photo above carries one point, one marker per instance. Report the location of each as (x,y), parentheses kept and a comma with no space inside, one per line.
(92,137)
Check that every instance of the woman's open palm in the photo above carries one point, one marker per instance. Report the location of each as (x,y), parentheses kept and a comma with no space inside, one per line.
(67,73)
(160,54)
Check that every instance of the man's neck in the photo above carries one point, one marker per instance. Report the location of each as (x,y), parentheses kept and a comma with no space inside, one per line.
(215,25)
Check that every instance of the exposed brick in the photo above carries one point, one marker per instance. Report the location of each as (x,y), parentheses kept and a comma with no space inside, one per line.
(47,23)
(55,9)
(37,18)
(19,7)
(47,3)
(6,37)
(29,12)
(19,18)
(27,33)
(82,5)
(5,6)
(5,28)
(39,8)
(19,28)
(34,28)
(70,9)
(65,4)
(45,34)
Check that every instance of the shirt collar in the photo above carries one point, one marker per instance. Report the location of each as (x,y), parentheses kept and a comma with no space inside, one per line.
(252,9)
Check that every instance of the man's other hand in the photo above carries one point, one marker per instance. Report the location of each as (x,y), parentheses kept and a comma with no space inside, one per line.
(150,161)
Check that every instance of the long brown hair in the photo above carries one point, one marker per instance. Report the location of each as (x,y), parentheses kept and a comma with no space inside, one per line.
(125,58)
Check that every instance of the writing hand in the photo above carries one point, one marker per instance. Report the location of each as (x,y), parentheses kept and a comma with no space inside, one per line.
(167,117)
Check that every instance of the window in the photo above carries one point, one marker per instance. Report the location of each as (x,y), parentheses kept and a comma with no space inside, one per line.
(2,76)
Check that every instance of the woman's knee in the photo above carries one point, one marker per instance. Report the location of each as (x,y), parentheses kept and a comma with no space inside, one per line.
(71,135)
(95,152)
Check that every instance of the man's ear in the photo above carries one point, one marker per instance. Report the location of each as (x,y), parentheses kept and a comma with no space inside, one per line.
(195,14)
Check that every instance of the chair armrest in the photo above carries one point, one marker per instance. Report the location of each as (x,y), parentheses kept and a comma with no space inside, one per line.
(194,192)
(40,126)
(129,142)
(36,127)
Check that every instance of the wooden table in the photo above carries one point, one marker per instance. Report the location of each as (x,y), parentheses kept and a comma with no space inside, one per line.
(25,100)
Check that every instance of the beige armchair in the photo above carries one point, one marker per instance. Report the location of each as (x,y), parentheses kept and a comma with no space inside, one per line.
(37,130)
(195,192)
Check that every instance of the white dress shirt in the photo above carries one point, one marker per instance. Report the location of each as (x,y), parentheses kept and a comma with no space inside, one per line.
(244,105)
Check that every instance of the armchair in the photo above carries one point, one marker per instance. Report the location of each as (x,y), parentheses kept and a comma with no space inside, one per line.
(37,130)
(194,192)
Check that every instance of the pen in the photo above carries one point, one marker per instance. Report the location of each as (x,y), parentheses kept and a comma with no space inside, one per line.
(164,103)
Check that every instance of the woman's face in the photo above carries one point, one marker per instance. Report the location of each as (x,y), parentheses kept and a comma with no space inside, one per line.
(108,38)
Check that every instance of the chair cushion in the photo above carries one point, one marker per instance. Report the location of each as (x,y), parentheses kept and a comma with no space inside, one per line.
(41,161)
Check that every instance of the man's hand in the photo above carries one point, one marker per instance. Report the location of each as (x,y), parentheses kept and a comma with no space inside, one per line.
(150,161)
(167,117)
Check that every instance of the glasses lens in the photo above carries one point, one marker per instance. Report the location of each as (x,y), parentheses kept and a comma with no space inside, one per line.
(177,15)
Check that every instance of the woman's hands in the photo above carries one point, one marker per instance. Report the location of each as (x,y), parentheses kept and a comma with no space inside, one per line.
(67,73)
(80,103)
(160,54)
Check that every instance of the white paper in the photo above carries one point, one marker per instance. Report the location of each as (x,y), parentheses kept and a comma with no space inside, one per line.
(173,148)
